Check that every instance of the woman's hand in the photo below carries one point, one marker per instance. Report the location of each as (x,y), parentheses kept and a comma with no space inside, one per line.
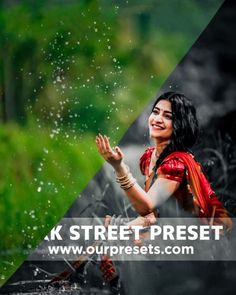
(113,157)
(144,221)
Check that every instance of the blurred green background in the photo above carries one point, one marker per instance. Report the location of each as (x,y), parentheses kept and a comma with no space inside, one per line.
(68,70)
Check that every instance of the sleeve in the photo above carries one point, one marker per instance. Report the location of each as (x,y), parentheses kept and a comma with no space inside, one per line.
(145,160)
(172,169)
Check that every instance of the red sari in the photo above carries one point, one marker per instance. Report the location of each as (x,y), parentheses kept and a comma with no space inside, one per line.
(194,194)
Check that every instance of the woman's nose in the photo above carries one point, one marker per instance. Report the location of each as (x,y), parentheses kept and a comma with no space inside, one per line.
(158,117)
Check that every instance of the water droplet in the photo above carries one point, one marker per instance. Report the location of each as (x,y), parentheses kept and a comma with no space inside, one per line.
(45,150)
(58,79)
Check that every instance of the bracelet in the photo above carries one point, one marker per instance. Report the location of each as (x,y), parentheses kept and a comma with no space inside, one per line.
(129,184)
(120,178)
(126,181)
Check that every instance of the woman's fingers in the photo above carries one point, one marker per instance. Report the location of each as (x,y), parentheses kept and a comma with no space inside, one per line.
(98,143)
(107,144)
(102,143)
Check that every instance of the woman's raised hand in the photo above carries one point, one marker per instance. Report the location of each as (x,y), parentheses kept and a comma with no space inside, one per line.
(114,157)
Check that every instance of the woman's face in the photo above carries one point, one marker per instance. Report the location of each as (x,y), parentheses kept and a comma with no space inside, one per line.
(160,121)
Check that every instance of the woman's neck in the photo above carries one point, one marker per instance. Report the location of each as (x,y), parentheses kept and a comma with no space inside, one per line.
(160,146)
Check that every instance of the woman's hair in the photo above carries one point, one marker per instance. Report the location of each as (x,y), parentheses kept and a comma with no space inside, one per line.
(184,120)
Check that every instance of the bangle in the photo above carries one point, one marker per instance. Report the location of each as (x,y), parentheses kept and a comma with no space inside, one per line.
(120,178)
(126,181)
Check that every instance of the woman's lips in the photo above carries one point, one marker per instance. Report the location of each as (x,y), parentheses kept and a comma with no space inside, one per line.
(156,127)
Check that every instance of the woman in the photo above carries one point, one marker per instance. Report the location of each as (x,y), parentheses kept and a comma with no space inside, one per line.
(169,167)
(171,173)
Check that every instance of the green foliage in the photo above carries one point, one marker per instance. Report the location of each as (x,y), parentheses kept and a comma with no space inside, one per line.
(41,178)
(82,54)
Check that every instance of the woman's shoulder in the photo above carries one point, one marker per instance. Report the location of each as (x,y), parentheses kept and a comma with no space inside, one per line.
(173,166)
(145,159)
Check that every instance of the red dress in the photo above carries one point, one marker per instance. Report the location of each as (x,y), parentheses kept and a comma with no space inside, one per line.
(194,195)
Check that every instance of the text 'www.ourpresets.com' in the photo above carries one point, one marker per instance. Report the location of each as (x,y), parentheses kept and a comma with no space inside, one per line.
(121,250)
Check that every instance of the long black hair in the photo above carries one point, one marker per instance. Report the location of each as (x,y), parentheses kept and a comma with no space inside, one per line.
(185,123)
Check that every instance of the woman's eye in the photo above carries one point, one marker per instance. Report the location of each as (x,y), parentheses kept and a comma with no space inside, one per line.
(155,112)
(169,117)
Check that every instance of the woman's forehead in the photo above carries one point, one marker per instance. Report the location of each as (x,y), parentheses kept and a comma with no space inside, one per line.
(164,105)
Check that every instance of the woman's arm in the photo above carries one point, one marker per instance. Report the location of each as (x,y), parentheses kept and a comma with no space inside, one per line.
(146,202)
(143,202)
(158,194)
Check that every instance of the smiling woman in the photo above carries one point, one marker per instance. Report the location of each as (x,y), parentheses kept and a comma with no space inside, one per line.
(170,168)
(171,171)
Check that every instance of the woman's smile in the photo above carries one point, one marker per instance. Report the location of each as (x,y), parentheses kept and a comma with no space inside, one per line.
(157,127)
